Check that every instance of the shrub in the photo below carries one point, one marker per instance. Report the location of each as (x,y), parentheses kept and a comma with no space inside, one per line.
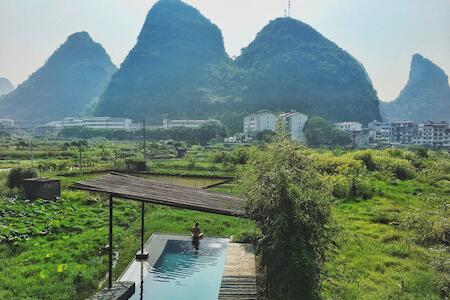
(422,152)
(361,188)
(340,186)
(17,175)
(403,173)
(430,227)
(368,161)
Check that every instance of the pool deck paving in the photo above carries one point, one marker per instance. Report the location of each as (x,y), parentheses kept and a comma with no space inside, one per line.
(239,277)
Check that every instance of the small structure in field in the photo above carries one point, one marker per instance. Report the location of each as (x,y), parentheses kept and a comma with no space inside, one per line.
(136,165)
(42,188)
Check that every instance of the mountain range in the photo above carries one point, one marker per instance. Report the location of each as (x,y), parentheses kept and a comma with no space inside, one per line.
(179,69)
(425,97)
(69,82)
(5,86)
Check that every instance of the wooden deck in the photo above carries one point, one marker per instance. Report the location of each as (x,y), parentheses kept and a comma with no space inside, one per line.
(141,189)
(239,278)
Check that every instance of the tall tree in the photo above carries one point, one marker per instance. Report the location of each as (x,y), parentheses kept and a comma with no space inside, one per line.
(291,206)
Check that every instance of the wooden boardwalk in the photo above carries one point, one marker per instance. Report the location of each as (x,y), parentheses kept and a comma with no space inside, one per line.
(239,278)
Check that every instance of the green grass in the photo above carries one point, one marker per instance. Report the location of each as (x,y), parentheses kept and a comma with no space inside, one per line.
(388,247)
(377,257)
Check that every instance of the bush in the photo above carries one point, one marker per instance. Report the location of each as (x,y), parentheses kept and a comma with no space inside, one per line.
(17,175)
(361,188)
(368,161)
(403,172)
(340,186)
(430,227)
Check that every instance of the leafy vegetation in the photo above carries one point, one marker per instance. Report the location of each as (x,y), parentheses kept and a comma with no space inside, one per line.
(291,206)
(389,206)
(202,135)
(320,132)
(17,175)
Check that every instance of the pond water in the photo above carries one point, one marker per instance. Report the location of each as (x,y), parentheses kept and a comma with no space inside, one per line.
(193,182)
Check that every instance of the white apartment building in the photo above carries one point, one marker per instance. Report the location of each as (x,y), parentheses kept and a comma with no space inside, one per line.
(435,134)
(379,132)
(183,123)
(6,122)
(294,123)
(96,123)
(259,122)
(349,126)
(107,123)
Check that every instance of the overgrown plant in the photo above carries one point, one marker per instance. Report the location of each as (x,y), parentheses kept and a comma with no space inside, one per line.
(17,175)
(291,206)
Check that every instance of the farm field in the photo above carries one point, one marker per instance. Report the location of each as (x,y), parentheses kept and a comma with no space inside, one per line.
(390,209)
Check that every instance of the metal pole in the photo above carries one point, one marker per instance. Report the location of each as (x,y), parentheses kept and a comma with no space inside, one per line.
(110,274)
(140,255)
(142,227)
(31,153)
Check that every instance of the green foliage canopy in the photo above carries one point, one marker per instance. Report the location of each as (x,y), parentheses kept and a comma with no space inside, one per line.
(291,206)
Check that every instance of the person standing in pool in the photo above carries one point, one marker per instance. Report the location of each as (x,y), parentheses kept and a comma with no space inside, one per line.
(197,235)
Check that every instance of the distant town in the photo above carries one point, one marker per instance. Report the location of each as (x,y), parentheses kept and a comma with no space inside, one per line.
(377,134)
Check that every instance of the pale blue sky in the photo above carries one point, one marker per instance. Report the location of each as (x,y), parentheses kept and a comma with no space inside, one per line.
(382,34)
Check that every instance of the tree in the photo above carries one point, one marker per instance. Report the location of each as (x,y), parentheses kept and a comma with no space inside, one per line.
(318,131)
(266,136)
(81,144)
(290,203)
(340,138)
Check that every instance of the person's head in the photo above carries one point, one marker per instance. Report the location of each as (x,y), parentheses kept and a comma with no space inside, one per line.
(196,224)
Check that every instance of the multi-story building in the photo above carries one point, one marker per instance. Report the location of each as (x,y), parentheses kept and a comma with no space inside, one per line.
(259,122)
(436,134)
(294,123)
(107,123)
(96,123)
(379,133)
(183,123)
(349,126)
(402,132)
(6,122)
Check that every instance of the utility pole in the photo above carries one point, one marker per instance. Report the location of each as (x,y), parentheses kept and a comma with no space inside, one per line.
(81,158)
(32,154)
(144,137)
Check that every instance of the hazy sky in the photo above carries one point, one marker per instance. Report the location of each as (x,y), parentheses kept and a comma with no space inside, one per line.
(382,34)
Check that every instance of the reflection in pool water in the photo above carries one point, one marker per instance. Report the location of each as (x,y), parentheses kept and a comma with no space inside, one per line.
(183,273)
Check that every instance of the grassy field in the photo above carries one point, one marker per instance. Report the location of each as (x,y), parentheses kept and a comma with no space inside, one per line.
(391,208)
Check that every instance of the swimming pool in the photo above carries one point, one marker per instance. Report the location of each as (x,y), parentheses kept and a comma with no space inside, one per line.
(179,271)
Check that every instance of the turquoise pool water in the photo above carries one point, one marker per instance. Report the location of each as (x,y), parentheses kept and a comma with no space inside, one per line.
(184,273)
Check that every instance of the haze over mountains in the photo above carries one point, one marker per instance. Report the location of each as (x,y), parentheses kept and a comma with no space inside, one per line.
(5,86)
(179,69)
(70,81)
(425,97)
